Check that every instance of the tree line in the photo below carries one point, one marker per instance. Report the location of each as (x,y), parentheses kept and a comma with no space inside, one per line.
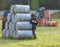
(34,4)
(6,4)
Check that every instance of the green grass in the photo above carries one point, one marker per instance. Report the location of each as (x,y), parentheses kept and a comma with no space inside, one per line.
(46,37)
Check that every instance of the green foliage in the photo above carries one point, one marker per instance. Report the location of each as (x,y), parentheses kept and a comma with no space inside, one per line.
(34,4)
(6,4)
(49,4)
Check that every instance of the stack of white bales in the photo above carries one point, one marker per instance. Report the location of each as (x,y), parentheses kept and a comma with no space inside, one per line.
(18,22)
(6,30)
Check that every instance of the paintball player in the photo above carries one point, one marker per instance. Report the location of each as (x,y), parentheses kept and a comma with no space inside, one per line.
(4,19)
(34,22)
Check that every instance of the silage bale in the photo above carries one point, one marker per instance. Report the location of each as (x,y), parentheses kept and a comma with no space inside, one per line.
(22,17)
(24,34)
(4,33)
(6,25)
(12,8)
(10,33)
(7,34)
(20,8)
(9,17)
(14,34)
(23,26)
(13,18)
(11,26)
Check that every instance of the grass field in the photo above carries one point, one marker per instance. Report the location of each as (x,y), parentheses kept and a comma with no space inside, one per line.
(46,37)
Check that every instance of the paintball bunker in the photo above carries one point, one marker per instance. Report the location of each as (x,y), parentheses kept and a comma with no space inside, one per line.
(18,22)
(44,18)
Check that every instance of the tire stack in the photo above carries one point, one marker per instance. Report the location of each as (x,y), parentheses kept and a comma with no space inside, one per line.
(18,23)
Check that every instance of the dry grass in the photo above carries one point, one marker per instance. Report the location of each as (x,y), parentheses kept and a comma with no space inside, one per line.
(56,15)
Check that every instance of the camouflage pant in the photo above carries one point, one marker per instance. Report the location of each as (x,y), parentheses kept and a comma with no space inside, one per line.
(34,34)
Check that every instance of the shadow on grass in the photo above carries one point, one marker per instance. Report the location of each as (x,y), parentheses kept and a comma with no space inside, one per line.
(4,38)
(11,40)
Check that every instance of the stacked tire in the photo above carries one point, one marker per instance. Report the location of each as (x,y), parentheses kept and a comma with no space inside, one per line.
(18,22)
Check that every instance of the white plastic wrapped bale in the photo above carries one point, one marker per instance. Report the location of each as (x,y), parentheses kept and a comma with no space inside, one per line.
(6,25)
(20,8)
(9,17)
(22,17)
(11,26)
(13,18)
(24,34)
(23,26)
(11,33)
(14,34)
(4,33)
(12,8)
(7,33)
